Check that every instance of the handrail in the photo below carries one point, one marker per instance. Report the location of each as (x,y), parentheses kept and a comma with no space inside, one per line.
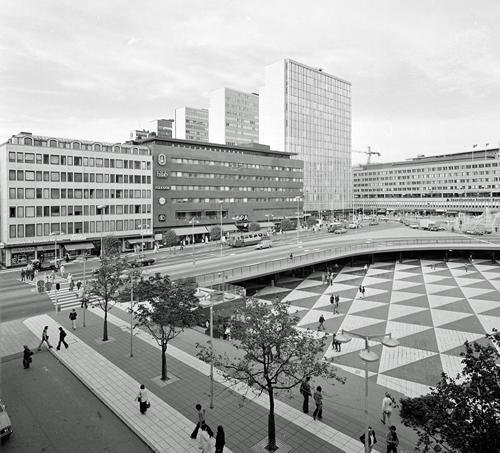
(368,245)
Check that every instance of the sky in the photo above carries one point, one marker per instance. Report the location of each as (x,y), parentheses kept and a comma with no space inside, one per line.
(425,74)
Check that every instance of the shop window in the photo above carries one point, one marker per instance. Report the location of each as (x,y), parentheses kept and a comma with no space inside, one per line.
(12,231)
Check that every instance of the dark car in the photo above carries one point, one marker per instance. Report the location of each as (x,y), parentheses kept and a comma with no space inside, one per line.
(143,261)
(373,223)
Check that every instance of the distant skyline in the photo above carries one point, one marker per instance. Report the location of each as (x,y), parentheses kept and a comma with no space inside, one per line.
(425,75)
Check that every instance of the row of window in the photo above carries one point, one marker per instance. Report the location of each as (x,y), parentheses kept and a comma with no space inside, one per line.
(55,176)
(44,229)
(426,169)
(78,210)
(229,188)
(56,194)
(79,161)
(185,174)
(75,144)
(238,200)
(232,165)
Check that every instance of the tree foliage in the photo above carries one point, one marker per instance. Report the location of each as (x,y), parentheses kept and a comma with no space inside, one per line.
(111,245)
(104,289)
(215,233)
(311,221)
(271,355)
(461,414)
(170,239)
(253,226)
(287,225)
(170,307)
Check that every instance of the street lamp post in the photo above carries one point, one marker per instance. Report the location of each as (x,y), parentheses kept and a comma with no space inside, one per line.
(55,234)
(192,240)
(298,213)
(142,237)
(220,227)
(102,207)
(204,304)
(367,356)
(129,275)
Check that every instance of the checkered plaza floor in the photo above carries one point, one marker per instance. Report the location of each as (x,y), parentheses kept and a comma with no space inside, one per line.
(431,307)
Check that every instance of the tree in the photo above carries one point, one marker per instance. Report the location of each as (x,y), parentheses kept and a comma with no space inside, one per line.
(287,225)
(215,233)
(461,414)
(170,239)
(253,226)
(104,290)
(172,307)
(311,221)
(111,245)
(272,355)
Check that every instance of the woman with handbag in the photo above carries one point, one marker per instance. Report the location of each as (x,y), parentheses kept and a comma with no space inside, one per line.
(27,357)
(143,399)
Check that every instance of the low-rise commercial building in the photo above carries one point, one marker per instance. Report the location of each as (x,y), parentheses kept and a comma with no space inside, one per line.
(467,182)
(62,195)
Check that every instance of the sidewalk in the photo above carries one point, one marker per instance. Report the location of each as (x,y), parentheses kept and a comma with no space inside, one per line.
(109,371)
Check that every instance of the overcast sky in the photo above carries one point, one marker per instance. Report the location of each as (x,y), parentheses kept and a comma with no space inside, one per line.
(425,74)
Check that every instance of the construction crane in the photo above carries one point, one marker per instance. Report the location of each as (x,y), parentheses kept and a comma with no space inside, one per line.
(369,152)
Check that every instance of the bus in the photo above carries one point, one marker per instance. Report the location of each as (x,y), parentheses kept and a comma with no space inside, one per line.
(245,239)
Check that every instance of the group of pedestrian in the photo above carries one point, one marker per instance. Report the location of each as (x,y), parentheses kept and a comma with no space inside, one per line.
(306,392)
(362,291)
(334,301)
(204,433)
(335,343)
(29,273)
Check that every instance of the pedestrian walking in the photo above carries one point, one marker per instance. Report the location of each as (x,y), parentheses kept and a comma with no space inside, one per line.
(201,421)
(335,343)
(466,266)
(61,269)
(337,300)
(387,408)
(27,357)
(321,325)
(220,440)
(78,285)
(336,304)
(305,391)
(227,333)
(53,276)
(143,399)
(372,439)
(291,256)
(48,285)
(23,275)
(72,316)
(363,292)
(45,338)
(205,445)
(331,279)
(318,399)
(366,269)
(81,294)
(332,301)
(392,440)
(62,336)
(360,290)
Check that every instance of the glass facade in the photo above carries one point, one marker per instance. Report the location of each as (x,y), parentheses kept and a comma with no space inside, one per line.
(191,124)
(308,112)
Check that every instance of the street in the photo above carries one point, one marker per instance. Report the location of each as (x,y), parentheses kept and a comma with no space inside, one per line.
(53,412)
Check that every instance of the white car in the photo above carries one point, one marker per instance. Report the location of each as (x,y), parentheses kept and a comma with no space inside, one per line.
(353,226)
(265,244)
(5,424)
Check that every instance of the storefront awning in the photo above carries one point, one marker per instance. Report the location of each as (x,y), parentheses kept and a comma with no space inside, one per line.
(186,231)
(79,246)
(266,224)
(140,240)
(226,228)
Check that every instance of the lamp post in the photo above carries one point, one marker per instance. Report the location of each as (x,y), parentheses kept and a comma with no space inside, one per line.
(204,304)
(367,356)
(268,221)
(102,207)
(55,234)
(220,227)
(192,240)
(142,237)
(129,275)
(298,213)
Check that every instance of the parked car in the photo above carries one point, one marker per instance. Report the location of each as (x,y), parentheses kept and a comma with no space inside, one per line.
(353,226)
(414,226)
(265,244)
(341,231)
(5,424)
(433,228)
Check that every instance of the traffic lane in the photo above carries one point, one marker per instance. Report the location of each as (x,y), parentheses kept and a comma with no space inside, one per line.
(53,412)
(19,300)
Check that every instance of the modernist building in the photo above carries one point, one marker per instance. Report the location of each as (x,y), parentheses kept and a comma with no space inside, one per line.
(191,124)
(63,195)
(200,185)
(307,112)
(467,182)
(234,117)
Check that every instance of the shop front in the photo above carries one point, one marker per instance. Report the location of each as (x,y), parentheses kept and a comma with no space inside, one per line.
(75,249)
(21,256)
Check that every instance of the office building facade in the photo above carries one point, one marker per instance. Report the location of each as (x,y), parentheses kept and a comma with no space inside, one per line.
(466,182)
(307,112)
(234,117)
(191,124)
(62,195)
(197,186)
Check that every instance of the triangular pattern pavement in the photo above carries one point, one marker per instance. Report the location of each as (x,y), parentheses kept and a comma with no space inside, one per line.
(432,311)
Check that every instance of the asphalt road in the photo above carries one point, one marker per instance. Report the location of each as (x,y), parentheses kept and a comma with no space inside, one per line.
(53,412)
